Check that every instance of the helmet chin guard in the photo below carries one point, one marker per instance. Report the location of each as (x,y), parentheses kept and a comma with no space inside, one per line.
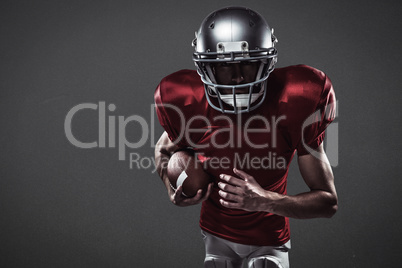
(234,35)
(240,103)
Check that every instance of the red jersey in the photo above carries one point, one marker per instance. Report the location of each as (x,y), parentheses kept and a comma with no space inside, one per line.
(262,143)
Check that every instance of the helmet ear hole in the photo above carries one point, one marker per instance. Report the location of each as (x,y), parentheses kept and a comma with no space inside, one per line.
(274,39)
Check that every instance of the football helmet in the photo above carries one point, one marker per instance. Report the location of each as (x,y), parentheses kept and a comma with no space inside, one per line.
(234,35)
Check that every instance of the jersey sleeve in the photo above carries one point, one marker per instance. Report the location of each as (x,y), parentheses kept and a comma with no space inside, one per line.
(313,128)
(167,113)
(164,115)
(178,97)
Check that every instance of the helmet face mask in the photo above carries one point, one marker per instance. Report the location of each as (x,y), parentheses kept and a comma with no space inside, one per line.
(234,55)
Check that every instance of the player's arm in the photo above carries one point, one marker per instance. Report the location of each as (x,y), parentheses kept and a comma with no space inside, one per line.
(163,150)
(321,201)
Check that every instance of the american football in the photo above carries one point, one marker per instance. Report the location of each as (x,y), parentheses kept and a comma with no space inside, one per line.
(183,169)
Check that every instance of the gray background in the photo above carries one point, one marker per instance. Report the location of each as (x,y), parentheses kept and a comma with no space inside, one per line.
(62,206)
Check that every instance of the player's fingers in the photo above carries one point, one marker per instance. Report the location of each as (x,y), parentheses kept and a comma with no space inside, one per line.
(209,190)
(228,204)
(229,196)
(177,196)
(229,188)
(179,190)
(243,175)
(198,196)
(183,201)
(232,180)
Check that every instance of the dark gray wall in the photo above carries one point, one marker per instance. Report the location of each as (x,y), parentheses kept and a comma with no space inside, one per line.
(62,206)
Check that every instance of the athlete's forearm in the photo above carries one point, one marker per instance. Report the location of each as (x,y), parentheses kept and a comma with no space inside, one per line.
(164,148)
(313,204)
(161,161)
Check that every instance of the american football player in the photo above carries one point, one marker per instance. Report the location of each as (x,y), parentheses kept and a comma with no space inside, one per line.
(246,120)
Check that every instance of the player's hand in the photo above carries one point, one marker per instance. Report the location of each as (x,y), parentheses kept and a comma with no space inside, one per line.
(179,199)
(243,192)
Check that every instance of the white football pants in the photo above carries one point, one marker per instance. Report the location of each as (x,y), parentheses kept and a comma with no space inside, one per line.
(221,253)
